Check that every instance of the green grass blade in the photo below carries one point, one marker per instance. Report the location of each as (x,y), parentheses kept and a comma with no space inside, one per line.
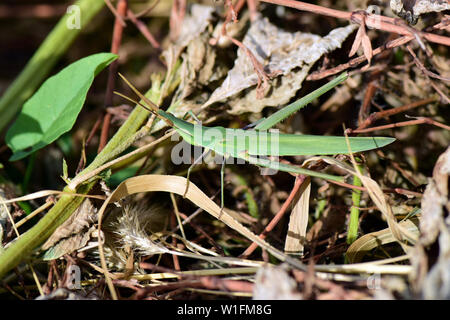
(282,114)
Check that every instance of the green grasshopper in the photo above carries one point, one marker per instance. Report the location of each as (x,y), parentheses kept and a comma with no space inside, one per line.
(249,145)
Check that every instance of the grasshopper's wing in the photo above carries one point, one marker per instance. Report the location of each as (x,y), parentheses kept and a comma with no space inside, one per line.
(263,143)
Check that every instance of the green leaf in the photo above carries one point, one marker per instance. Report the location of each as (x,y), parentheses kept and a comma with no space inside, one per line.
(53,109)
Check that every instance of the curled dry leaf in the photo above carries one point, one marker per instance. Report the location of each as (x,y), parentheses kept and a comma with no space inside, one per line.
(200,66)
(290,55)
(362,39)
(73,234)
(358,249)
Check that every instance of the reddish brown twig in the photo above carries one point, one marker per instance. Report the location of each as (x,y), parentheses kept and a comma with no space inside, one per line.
(147,10)
(356,61)
(404,124)
(263,77)
(253,8)
(372,20)
(177,14)
(429,74)
(119,17)
(367,101)
(298,182)
(387,113)
(444,24)
(143,29)
(122,7)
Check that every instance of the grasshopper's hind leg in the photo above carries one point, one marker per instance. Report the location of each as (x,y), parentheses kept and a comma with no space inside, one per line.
(197,161)
(222,172)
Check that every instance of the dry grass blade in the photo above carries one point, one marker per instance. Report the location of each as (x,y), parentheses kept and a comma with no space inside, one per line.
(298,221)
(363,245)
(175,184)
(46,193)
(376,194)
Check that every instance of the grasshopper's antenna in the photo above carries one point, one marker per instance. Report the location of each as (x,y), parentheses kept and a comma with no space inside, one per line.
(134,101)
(153,108)
(150,104)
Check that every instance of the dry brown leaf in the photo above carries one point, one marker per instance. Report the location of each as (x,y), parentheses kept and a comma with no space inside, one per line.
(73,234)
(435,200)
(357,42)
(362,39)
(412,9)
(291,55)
(298,221)
(367,47)
(200,66)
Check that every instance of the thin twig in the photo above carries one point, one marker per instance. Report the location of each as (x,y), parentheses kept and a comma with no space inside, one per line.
(358,60)
(372,20)
(298,182)
(404,124)
(143,29)
(122,6)
(387,113)
(429,74)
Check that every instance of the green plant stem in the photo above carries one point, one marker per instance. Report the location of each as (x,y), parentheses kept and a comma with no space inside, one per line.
(40,65)
(27,242)
(66,205)
(353,226)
